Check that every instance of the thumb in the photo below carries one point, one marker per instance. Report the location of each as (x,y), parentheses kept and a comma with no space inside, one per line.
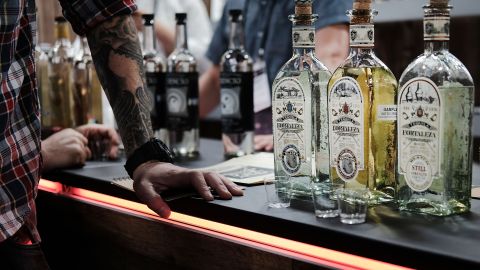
(147,194)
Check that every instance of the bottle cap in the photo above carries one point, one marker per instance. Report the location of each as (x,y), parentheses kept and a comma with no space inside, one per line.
(60,19)
(303,7)
(362,4)
(147,19)
(180,17)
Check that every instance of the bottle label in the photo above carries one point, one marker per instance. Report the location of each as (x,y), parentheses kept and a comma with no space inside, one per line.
(436,28)
(362,35)
(289,127)
(346,126)
(387,112)
(182,100)
(303,37)
(419,137)
(237,102)
(156,87)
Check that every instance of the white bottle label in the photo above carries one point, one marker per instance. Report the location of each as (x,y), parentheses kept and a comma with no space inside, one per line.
(290,126)
(436,28)
(346,128)
(419,133)
(362,35)
(303,37)
(387,112)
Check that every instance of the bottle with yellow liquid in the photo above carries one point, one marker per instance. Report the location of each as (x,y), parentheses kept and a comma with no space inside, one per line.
(60,74)
(362,114)
(87,88)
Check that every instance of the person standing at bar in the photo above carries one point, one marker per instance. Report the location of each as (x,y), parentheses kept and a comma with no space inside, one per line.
(116,51)
(268,42)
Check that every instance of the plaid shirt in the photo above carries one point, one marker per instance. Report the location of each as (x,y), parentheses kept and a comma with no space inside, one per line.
(20,159)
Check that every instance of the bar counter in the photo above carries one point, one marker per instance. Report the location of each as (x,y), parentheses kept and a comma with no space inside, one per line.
(88,222)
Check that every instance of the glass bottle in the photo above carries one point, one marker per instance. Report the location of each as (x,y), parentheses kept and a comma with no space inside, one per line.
(155,69)
(87,88)
(182,95)
(236,83)
(435,124)
(60,73)
(42,62)
(362,114)
(299,109)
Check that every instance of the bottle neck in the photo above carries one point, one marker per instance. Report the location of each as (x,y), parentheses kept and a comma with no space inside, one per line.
(149,44)
(61,32)
(436,28)
(362,31)
(236,35)
(303,36)
(181,36)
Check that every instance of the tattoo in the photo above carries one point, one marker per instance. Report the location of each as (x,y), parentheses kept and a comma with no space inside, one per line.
(119,64)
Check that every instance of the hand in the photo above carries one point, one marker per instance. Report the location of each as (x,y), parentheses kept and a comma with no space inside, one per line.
(151,178)
(101,139)
(66,148)
(263,142)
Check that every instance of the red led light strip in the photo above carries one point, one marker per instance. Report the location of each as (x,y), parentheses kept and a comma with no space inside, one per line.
(281,246)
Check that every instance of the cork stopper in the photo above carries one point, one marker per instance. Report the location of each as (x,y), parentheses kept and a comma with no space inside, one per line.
(303,7)
(363,4)
(439,3)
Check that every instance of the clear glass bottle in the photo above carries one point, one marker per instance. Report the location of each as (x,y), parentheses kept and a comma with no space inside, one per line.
(87,88)
(182,95)
(362,114)
(42,62)
(299,109)
(236,83)
(60,74)
(435,124)
(155,72)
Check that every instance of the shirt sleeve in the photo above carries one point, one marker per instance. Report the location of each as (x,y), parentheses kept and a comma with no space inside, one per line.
(219,43)
(84,15)
(331,12)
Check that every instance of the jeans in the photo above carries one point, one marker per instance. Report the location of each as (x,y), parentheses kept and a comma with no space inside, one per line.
(17,254)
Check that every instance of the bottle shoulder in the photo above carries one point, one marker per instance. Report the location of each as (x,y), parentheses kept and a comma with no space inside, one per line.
(441,67)
(236,60)
(181,61)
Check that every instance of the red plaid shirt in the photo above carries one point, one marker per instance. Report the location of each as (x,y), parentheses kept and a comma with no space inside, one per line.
(20,159)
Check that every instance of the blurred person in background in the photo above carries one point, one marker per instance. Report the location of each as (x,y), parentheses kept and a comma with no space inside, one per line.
(268,41)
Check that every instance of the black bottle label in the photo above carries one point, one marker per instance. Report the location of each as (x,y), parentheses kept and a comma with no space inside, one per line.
(182,100)
(156,87)
(237,102)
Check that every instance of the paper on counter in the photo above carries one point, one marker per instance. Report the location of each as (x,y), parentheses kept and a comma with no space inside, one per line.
(248,170)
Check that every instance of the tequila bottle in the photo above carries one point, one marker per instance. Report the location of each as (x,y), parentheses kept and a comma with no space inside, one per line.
(87,88)
(362,114)
(299,109)
(155,69)
(236,81)
(60,74)
(182,95)
(42,63)
(435,107)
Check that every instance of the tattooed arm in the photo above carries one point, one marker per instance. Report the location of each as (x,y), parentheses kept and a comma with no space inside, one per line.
(118,61)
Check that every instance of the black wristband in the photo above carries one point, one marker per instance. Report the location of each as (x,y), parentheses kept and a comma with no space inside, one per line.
(154,149)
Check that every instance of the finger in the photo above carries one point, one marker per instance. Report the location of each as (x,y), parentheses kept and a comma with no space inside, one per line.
(234,189)
(197,180)
(260,145)
(147,194)
(269,147)
(217,184)
(88,152)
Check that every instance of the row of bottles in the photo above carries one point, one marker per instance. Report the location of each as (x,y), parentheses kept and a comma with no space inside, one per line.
(408,142)
(71,94)
(174,90)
